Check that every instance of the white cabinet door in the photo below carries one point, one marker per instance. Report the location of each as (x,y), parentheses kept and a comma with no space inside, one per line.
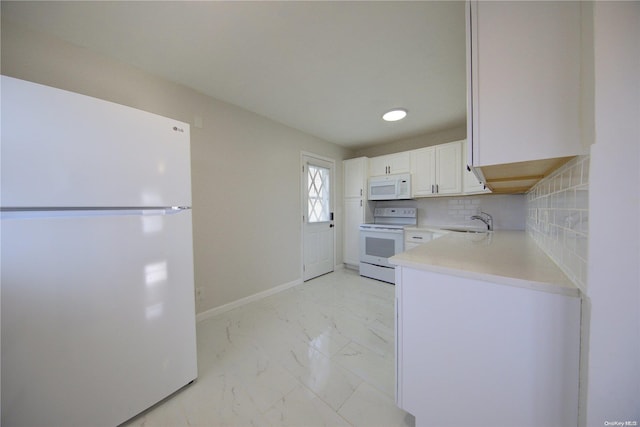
(390,164)
(400,162)
(524,81)
(437,170)
(378,166)
(355,177)
(449,168)
(353,216)
(356,207)
(423,172)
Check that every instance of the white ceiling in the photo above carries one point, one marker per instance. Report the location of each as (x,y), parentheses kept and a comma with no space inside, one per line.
(329,69)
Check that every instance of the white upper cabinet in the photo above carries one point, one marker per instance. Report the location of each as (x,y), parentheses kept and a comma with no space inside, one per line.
(524,81)
(423,172)
(437,170)
(449,168)
(355,177)
(390,164)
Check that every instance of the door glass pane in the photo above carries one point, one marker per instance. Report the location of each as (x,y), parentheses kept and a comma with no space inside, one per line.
(318,194)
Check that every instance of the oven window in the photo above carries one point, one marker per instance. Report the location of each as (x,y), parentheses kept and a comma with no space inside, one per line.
(376,246)
(383,190)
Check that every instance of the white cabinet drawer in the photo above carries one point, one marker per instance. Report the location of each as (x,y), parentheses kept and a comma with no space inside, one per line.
(413,237)
(418,237)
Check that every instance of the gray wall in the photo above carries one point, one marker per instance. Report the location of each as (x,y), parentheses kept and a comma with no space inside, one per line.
(245,168)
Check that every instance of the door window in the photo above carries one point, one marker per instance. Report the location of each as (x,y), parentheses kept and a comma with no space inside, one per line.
(318,197)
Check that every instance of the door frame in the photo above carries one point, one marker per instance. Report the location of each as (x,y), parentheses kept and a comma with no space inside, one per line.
(303,207)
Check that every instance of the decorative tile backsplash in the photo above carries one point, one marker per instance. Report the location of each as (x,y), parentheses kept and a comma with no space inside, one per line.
(460,210)
(558,217)
(508,210)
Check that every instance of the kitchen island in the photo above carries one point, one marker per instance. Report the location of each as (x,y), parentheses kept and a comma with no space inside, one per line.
(487,333)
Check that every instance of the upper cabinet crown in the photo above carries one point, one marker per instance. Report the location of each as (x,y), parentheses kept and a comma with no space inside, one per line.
(524,80)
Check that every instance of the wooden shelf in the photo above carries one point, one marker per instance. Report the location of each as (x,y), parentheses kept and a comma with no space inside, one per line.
(515,178)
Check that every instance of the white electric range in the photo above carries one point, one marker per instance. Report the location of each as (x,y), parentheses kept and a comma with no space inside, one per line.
(382,239)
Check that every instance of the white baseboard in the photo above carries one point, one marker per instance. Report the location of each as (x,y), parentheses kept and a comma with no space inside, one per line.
(355,267)
(246,300)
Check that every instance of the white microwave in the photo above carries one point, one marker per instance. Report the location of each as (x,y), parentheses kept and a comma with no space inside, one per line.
(390,187)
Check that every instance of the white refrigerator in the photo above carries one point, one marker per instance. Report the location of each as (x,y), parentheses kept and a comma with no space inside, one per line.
(97,291)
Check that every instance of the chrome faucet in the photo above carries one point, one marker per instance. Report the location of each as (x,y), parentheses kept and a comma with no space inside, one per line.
(486,218)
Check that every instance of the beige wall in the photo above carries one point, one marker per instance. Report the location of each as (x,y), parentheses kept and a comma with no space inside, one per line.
(612,297)
(245,168)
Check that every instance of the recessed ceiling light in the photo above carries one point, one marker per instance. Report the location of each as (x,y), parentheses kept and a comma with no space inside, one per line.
(394,115)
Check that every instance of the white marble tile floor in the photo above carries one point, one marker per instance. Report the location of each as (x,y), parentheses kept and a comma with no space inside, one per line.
(318,354)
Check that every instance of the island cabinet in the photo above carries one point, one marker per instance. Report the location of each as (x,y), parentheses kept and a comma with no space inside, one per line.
(437,170)
(524,89)
(483,339)
(471,352)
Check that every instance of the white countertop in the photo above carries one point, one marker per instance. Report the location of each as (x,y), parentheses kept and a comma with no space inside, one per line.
(505,257)
(444,228)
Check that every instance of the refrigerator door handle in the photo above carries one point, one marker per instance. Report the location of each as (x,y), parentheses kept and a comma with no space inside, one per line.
(176,209)
(9,213)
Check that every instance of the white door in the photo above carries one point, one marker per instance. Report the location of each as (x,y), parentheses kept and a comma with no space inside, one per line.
(318,226)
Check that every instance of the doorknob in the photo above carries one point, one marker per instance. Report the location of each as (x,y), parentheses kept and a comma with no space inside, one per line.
(330,225)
